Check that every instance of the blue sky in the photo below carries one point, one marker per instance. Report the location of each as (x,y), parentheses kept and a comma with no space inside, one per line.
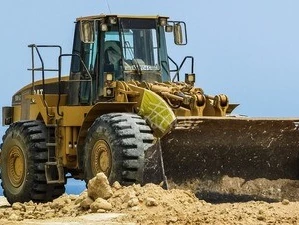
(248,50)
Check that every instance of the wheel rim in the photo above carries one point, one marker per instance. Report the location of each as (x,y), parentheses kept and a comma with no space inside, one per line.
(16,166)
(101,158)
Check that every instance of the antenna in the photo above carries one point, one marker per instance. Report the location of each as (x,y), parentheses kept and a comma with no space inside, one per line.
(108,6)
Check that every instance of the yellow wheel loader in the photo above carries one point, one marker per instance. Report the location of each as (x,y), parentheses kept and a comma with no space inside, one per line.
(124,110)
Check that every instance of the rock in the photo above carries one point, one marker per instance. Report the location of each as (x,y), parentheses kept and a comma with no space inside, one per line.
(85,204)
(117,193)
(17,206)
(30,203)
(57,204)
(67,201)
(66,210)
(101,211)
(150,202)
(100,203)
(172,219)
(30,208)
(261,217)
(50,213)
(137,188)
(116,185)
(128,196)
(285,202)
(14,217)
(135,208)
(30,216)
(81,197)
(133,202)
(98,187)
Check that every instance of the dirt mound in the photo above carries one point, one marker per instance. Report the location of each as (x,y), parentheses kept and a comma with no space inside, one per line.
(236,189)
(151,204)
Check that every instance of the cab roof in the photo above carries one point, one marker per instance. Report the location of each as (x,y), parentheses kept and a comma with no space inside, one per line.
(101,16)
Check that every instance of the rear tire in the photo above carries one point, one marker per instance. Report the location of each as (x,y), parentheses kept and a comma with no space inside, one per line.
(115,144)
(23,158)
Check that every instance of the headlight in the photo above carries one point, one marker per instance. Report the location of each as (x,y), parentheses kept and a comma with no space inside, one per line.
(109,92)
(112,20)
(109,76)
(190,78)
(163,21)
(104,27)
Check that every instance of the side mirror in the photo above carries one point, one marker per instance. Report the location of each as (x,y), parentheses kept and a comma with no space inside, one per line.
(87,30)
(180,33)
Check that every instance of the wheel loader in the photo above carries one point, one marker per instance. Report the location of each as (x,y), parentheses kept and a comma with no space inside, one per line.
(126,110)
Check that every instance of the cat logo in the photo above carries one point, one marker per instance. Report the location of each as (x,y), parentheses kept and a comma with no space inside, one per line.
(38,92)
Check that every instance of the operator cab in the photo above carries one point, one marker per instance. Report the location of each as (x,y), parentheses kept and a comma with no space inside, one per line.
(120,48)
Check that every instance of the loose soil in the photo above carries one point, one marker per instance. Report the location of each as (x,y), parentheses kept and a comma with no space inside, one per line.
(226,201)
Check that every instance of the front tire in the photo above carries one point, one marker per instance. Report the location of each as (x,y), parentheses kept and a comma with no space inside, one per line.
(23,158)
(115,144)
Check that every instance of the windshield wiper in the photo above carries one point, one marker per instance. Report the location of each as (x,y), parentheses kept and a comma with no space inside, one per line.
(127,45)
(134,61)
(137,66)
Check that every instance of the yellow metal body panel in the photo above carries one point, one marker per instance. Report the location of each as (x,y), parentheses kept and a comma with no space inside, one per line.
(155,110)
(72,122)
(47,81)
(67,147)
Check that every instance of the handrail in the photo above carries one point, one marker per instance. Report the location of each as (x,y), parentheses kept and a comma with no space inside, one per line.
(181,65)
(176,65)
(41,69)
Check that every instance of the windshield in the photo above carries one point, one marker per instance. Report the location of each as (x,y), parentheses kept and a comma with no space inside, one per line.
(140,48)
(140,45)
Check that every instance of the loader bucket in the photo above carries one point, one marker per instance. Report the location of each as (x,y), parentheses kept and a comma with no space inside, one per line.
(153,171)
(209,148)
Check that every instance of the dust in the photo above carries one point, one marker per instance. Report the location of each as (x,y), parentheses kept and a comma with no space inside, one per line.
(236,189)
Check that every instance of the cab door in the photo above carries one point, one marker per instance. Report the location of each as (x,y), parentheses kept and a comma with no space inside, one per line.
(80,85)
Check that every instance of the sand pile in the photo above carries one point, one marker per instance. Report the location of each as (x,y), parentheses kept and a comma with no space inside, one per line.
(151,204)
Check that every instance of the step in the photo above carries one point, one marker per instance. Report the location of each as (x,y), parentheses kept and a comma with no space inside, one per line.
(51,125)
(51,144)
(54,173)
